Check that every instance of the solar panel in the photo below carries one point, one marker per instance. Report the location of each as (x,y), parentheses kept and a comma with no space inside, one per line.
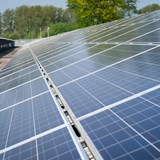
(92,93)
(126,131)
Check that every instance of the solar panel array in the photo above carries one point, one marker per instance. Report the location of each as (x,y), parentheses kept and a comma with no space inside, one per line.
(104,80)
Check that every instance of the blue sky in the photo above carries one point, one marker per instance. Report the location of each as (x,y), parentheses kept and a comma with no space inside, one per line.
(4,4)
(142,3)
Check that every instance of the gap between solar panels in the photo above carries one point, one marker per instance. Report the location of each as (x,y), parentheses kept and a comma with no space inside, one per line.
(89,149)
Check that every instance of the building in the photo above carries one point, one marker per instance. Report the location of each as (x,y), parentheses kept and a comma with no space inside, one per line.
(6,44)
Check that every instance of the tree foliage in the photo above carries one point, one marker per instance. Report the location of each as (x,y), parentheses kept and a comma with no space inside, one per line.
(58,28)
(149,8)
(0,24)
(90,12)
(27,21)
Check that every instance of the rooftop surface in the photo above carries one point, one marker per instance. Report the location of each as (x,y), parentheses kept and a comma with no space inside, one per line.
(92,93)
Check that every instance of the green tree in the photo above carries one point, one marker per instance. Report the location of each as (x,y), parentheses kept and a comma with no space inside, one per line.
(28,21)
(8,21)
(149,8)
(60,28)
(1,24)
(69,16)
(22,20)
(90,12)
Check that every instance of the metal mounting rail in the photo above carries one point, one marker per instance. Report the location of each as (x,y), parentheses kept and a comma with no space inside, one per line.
(83,140)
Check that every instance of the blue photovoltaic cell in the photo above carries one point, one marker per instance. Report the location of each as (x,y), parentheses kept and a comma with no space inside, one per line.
(125,51)
(134,34)
(59,77)
(90,65)
(38,86)
(8,85)
(51,68)
(22,123)
(142,116)
(152,37)
(153,96)
(5,73)
(117,140)
(1,156)
(5,118)
(152,57)
(57,145)
(126,80)
(94,63)
(143,69)
(19,80)
(74,72)
(46,113)
(24,152)
(9,77)
(31,70)
(23,92)
(78,100)
(63,55)
(102,90)
(8,98)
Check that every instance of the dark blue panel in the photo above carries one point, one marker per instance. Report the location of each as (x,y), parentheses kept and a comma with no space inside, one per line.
(78,100)
(102,90)
(15,75)
(152,37)
(143,116)
(116,140)
(135,33)
(115,31)
(51,68)
(38,86)
(102,59)
(9,77)
(143,69)
(8,85)
(1,156)
(74,72)
(23,92)
(34,74)
(59,77)
(151,57)
(68,56)
(91,66)
(5,73)
(60,53)
(33,68)
(8,98)
(57,145)
(5,117)
(125,51)
(153,96)
(107,34)
(46,113)
(24,152)
(22,123)
(125,80)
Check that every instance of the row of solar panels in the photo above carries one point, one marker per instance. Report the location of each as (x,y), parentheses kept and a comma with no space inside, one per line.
(108,75)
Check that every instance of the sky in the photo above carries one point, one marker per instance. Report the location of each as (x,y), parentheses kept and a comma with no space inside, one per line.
(5,4)
(143,3)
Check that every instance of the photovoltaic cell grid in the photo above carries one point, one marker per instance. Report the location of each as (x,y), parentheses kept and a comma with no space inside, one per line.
(109,76)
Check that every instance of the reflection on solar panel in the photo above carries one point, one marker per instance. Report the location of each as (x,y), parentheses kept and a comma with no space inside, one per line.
(92,93)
